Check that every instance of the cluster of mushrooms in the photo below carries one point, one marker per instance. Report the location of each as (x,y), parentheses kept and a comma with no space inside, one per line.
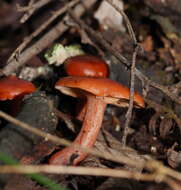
(87,80)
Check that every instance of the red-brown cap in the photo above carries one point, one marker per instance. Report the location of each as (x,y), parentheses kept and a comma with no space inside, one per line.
(111,91)
(86,65)
(11,87)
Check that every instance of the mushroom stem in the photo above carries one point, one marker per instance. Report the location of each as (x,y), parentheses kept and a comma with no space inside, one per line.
(87,136)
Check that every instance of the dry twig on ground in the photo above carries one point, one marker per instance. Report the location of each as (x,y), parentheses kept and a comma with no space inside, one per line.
(78,170)
(132,73)
(31,8)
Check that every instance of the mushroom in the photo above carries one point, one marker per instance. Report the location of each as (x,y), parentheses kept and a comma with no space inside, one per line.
(99,92)
(89,66)
(13,88)
(86,65)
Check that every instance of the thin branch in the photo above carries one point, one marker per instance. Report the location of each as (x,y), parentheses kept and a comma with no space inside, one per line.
(131,98)
(80,171)
(132,73)
(153,165)
(31,8)
(25,8)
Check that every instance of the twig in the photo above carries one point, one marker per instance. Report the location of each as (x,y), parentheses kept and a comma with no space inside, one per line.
(132,73)
(93,171)
(153,165)
(25,8)
(80,171)
(131,100)
(31,8)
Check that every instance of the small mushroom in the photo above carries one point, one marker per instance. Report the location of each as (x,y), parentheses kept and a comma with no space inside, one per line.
(13,88)
(99,92)
(86,65)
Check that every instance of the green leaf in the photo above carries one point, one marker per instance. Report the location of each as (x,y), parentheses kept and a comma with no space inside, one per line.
(42,180)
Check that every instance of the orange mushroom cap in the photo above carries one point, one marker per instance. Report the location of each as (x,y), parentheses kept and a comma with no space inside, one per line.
(11,87)
(111,91)
(86,65)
